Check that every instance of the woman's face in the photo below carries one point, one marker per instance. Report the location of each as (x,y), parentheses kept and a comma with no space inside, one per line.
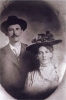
(44,55)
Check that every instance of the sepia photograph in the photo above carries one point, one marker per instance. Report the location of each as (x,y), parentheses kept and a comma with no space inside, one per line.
(33,49)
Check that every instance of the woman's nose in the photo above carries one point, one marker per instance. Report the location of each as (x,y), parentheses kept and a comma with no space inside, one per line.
(44,55)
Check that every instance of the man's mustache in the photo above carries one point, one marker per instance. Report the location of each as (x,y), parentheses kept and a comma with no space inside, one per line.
(14,35)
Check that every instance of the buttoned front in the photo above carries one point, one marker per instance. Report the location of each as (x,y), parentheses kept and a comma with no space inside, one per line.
(13,71)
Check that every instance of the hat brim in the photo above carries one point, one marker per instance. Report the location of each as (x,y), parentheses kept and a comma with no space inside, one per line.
(5,24)
(37,45)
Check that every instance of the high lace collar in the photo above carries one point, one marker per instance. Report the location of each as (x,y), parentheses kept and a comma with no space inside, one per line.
(46,65)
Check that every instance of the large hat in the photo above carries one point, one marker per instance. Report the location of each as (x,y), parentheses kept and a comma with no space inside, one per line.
(11,21)
(43,40)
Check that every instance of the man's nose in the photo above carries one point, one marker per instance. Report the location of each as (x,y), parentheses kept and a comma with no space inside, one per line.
(14,32)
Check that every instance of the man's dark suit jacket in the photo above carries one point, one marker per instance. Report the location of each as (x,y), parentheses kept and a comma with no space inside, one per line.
(14,70)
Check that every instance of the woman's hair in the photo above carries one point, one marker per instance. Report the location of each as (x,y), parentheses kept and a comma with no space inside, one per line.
(36,50)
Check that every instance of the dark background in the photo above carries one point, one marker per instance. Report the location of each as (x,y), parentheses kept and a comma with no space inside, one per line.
(41,16)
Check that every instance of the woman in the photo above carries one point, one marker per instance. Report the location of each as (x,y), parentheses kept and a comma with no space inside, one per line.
(42,82)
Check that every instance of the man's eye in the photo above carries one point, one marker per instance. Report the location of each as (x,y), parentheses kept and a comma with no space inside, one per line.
(17,28)
(10,29)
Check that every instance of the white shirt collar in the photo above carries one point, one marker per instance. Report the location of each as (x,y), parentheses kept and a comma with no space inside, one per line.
(16,50)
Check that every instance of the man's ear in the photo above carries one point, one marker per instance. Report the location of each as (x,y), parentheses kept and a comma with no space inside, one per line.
(22,30)
(6,34)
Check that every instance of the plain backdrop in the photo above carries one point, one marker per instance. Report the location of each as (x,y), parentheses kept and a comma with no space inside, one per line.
(40,16)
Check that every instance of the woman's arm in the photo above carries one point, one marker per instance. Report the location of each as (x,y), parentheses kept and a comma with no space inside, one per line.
(60,93)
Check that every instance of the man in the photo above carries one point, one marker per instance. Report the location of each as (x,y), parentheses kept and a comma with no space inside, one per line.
(12,56)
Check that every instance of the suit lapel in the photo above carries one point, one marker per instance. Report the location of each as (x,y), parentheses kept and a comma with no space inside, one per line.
(10,55)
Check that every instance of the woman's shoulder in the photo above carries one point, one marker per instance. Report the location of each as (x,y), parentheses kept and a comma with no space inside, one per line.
(60,70)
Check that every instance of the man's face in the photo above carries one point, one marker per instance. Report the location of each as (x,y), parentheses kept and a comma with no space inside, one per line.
(44,55)
(14,33)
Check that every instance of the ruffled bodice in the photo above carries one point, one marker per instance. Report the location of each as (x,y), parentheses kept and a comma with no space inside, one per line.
(42,80)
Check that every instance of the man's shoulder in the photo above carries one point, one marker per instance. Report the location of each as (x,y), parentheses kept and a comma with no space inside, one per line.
(24,45)
(4,47)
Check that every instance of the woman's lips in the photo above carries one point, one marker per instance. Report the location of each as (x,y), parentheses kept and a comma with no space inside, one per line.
(44,59)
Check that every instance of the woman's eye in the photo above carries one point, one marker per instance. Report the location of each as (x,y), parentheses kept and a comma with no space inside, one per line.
(46,51)
(40,52)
